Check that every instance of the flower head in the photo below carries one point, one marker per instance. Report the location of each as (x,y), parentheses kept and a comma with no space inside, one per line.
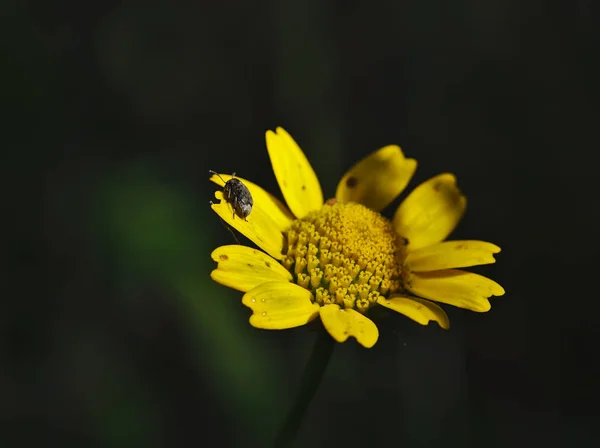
(338,258)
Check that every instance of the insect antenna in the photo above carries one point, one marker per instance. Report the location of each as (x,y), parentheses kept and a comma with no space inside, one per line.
(214,172)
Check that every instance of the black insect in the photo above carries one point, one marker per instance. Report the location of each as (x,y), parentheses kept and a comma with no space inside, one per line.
(238,195)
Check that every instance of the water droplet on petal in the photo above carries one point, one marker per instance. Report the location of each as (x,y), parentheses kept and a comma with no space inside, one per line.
(264,313)
(253,300)
(263,300)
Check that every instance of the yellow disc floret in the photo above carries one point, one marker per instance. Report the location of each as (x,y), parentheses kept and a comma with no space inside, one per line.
(344,254)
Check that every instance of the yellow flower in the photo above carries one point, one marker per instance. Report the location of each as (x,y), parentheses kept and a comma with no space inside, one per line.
(336,259)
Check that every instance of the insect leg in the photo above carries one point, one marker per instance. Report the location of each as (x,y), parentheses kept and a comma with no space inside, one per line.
(228,228)
(214,172)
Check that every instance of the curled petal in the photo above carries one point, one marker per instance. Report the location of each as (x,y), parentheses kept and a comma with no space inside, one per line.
(244,268)
(420,310)
(377,179)
(259,227)
(455,287)
(278,305)
(430,212)
(342,323)
(272,206)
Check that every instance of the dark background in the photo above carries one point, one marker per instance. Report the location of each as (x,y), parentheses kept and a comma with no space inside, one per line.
(112,333)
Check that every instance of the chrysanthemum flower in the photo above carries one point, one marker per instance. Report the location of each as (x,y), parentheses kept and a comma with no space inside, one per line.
(336,259)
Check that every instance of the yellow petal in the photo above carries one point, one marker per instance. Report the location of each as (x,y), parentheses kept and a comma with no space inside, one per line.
(279,305)
(244,268)
(377,179)
(341,323)
(430,212)
(272,206)
(451,254)
(258,227)
(420,310)
(297,180)
(455,287)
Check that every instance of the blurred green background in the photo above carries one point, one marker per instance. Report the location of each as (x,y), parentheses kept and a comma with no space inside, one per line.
(113,334)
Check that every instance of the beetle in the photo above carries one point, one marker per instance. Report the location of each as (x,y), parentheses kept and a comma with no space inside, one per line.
(238,195)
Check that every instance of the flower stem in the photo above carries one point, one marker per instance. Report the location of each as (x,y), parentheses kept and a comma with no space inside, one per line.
(311,379)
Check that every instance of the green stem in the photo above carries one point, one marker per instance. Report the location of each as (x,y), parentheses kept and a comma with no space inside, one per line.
(311,379)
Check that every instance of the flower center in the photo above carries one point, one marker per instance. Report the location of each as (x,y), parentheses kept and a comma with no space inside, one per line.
(344,254)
